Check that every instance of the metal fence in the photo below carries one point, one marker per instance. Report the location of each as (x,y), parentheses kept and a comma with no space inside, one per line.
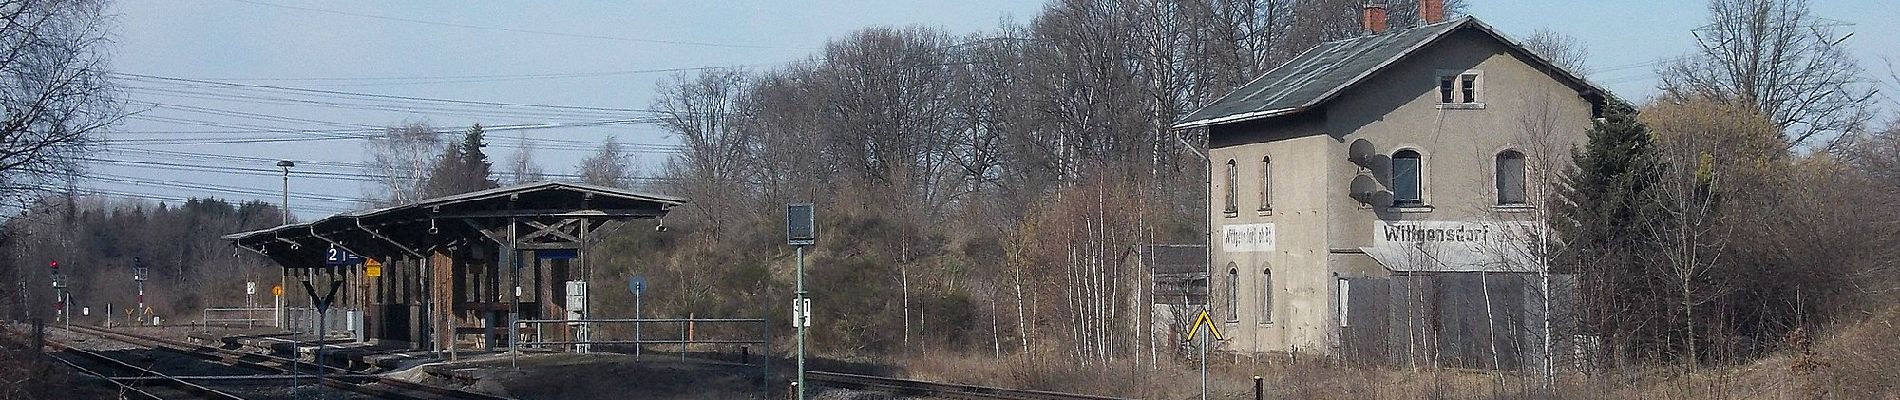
(337,320)
(684,333)
(237,316)
(1464,320)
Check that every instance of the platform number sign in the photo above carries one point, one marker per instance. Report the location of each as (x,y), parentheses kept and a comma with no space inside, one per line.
(338,257)
(801,228)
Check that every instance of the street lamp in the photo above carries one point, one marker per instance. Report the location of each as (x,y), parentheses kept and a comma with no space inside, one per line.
(283,281)
(285,209)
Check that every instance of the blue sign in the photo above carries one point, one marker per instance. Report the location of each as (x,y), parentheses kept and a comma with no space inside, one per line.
(637,284)
(338,257)
(557,254)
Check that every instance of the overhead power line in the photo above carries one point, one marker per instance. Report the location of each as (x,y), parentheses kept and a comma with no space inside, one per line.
(515,30)
(384,96)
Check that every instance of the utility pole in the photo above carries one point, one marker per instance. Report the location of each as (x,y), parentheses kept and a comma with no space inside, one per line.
(800,231)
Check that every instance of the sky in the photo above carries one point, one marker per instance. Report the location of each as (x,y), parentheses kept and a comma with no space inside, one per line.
(222,89)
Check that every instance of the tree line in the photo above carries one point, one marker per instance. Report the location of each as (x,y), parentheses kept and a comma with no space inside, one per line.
(981,189)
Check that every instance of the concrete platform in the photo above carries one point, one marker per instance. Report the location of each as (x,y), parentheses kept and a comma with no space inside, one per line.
(337,351)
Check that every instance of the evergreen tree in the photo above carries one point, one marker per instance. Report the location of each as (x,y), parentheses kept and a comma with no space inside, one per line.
(477,171)
(462,168)
(1601,210)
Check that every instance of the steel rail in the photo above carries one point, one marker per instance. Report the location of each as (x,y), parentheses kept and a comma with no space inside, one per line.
(912,387)
(395,388)
(145,374)
(124,389)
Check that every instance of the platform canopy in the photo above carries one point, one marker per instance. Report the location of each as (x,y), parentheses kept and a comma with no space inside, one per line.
(531,216)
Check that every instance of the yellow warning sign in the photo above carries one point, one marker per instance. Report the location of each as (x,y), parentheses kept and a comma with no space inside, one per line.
(1204,320)
(277,290)
(372,268)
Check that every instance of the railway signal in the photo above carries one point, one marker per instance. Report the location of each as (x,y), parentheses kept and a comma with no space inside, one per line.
(138,275)
(59,292)
(801,229)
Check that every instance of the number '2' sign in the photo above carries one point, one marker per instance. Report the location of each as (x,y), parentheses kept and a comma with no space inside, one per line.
(337,256)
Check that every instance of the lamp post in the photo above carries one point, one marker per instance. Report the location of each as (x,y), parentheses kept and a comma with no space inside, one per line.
(283,280)
(284,210)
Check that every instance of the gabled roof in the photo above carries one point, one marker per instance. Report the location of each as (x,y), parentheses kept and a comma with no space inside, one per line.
(1326,70)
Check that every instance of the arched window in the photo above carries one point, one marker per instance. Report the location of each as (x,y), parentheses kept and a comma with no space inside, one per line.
(1511,178)
(1233,292)
(1266,183)
(1266,295)
(1233,187)
(1407,184)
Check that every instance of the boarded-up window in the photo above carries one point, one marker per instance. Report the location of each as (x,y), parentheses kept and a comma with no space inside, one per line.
(1407,184)
(1266,183)
(1510,175)
(1233,292)
(1266,295)
(1233,188)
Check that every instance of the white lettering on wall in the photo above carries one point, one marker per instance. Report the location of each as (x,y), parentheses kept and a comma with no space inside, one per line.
(1243,238)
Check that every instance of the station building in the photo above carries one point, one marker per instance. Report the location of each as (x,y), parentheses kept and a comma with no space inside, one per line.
(1376,197)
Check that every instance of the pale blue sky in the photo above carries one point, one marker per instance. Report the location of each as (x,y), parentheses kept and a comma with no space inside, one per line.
(596,49)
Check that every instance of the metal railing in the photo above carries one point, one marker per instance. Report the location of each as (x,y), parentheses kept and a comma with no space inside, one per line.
(683,332)
(339,319)
(231,316)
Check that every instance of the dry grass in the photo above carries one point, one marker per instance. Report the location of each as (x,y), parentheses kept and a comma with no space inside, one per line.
(1860,360)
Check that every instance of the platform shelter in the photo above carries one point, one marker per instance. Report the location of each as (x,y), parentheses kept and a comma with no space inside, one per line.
(442,273)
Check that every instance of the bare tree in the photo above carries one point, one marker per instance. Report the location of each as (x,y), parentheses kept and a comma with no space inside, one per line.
(1560,49)
(1778,59)
(607,167)
(53,87)
(521,166)
(400,159)
(701,110)
(1711,154)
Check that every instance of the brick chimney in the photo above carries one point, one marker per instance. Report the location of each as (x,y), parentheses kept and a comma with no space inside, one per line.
(1373,18)
(1431,11)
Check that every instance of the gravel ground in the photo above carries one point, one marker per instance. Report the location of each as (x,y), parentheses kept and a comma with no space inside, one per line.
(611,376)
(177,364)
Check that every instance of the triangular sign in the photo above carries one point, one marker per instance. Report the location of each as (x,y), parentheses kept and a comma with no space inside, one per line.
(1204,320)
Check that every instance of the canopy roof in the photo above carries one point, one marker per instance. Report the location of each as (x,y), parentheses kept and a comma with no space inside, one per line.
(415,228)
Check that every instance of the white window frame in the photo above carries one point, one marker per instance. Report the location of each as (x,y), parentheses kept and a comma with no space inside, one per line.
(1459,101)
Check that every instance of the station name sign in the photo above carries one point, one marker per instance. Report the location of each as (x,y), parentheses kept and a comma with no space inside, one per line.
(1394,232)
(1247,238)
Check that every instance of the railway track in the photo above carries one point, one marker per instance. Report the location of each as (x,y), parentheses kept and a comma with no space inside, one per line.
(910,387)
(133,381)
(371,385)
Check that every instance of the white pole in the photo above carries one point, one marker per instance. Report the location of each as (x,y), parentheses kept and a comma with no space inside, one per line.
(1204,341)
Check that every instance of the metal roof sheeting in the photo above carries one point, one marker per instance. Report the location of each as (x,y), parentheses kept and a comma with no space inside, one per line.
(479,195)
(1319,74)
